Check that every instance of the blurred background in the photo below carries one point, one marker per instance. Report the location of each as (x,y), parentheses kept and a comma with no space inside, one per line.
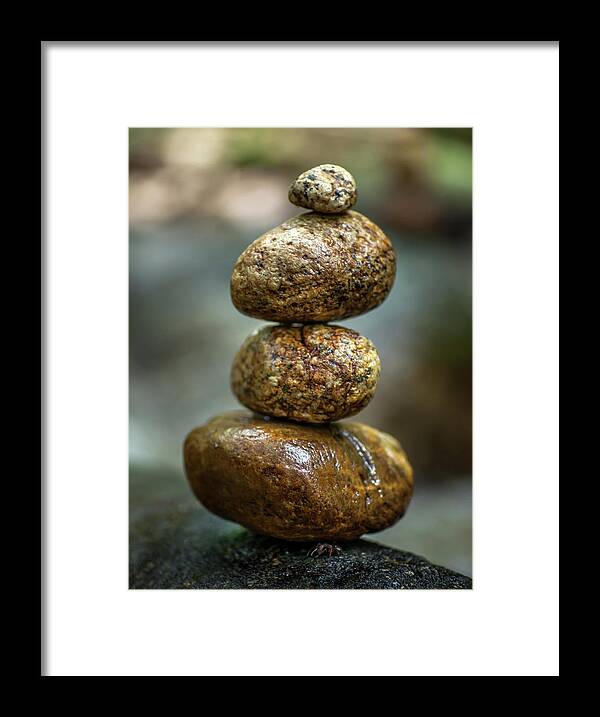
(198,197)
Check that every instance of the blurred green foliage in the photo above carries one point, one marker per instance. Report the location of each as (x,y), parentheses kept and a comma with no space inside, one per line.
(451,164)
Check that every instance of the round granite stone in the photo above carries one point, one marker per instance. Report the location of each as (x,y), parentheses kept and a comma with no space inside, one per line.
(295,481)
(327,188)
(314,373)
(315,268)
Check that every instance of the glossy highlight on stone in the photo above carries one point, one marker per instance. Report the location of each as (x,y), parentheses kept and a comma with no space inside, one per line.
(298,482)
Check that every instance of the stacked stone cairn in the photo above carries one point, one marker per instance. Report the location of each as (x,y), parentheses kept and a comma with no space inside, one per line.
(287,469)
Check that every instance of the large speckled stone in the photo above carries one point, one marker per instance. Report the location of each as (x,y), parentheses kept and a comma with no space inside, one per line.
(314,373)
(327,188)
(313,268)
(298,482)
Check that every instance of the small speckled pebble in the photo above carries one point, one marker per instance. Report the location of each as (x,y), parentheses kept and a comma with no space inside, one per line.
(327,188)
(315,373)
(313,268)
(295,481)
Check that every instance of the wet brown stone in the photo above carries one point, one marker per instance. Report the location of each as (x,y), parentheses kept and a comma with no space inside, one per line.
(327,188)
(315,267)
(314,373)
(296,481)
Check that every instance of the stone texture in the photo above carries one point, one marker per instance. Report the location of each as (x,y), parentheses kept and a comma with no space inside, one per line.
(174,543)
(298,481)
(315,268)
(327,188)
(314,373)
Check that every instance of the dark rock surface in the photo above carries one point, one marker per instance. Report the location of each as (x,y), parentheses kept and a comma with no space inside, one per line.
(175,543)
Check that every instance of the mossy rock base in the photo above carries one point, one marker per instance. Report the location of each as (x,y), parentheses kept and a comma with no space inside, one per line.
(175,543)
